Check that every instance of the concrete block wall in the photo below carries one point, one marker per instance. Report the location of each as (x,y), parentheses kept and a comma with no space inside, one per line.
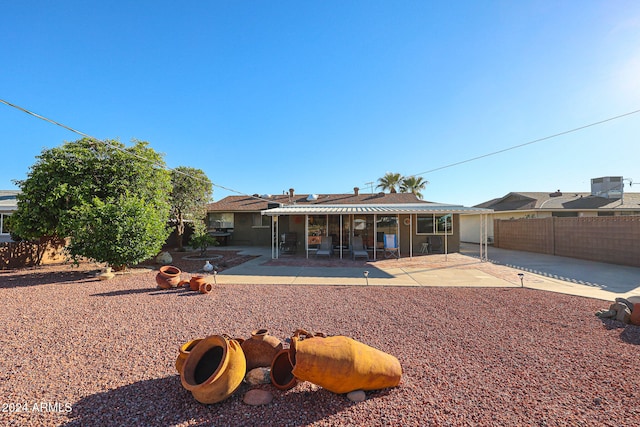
(613,240)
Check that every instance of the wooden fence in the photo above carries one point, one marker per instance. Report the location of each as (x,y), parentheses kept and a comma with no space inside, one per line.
(613,239)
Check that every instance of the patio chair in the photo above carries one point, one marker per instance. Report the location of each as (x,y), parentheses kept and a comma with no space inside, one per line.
(357,248)
(435,245)
(326,246)
(391,249)
(289,243)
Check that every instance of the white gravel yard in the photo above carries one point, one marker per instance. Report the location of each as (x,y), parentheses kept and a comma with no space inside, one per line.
(82,352)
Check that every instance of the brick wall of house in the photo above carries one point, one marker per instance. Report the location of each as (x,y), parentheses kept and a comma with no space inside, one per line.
(613,240)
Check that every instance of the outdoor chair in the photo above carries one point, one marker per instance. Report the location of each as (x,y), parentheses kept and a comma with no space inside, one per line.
(326,246)
(391,249)
(289,243)
(435,244)
(357,249)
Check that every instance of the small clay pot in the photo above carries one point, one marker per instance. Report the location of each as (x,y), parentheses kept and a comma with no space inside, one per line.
(281,372)
(196,281)
(205,288)
(260,349)
(185,350)
(168,277)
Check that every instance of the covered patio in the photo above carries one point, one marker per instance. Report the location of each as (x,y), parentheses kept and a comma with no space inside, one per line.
(418,228)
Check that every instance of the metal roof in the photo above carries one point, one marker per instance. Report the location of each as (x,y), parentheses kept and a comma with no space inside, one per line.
(412,208)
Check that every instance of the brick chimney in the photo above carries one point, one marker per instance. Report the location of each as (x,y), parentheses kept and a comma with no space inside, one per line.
(291,192)
(356,190)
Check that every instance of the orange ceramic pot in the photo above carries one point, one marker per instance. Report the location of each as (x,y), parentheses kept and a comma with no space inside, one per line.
(184,351)
(341,364)
(635,315)
(281,371)
(196,281)
(205,288)
(214,369)
(260,349)
(168,277)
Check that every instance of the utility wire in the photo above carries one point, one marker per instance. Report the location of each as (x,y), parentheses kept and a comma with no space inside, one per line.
(527,143)
(108,144)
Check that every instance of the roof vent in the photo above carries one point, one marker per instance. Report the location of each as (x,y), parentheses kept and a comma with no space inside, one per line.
(266,196)
(312,197)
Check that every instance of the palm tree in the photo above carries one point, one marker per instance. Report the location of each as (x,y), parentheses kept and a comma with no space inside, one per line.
(390,181)
(414,185)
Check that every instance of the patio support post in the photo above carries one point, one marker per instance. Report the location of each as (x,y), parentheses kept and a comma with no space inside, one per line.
(306,234)
(340,236)
(410,235)
(375,235)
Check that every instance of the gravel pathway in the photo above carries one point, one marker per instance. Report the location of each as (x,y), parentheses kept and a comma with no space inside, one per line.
(82,352)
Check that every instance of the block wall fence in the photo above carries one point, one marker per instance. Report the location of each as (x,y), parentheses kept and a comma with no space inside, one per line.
(614,240)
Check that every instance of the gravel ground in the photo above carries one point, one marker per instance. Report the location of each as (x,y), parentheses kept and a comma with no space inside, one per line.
(82,352)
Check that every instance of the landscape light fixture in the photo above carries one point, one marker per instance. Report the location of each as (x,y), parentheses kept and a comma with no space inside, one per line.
(521,276)
(366,276)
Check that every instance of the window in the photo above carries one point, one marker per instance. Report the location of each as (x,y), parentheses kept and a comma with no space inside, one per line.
(222,220)
(259,220)
(434,224)
(4,228)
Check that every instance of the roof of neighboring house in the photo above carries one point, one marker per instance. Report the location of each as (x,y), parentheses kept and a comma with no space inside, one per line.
(260,203)
(8,201)
(519,201)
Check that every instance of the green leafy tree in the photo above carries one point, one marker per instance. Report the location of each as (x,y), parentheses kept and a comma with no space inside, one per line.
(201,239)
(118,232)
(63,185)
(192,190)
(414,185)
(389,182)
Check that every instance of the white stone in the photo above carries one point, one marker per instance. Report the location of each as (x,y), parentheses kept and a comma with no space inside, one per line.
(356,396)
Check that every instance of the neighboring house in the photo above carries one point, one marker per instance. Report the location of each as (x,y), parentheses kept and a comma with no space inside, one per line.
(603,200)
(8,205)
(296,223)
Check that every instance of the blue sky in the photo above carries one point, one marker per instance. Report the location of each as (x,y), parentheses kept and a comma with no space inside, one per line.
(324,96)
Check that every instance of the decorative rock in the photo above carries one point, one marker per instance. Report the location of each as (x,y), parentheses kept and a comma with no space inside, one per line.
(625,302)
(106,274)
(257,397)
(258,376)
(164,258)
(623,314)
(356,396)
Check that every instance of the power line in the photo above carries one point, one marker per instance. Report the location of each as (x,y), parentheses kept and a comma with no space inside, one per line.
(108,144)
(532,142)
(527,143)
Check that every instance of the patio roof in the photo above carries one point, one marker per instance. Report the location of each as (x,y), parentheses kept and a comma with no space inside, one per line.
(411,208)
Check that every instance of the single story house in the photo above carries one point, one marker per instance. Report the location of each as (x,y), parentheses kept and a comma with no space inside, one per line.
(8,205)
(291,223)
(606,198)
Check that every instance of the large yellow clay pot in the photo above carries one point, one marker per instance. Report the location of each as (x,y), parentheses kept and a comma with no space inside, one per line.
(341,364)
(214,369)
(183,353)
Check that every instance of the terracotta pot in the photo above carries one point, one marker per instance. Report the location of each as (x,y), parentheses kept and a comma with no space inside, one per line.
(196,281)
(184,351)
(635,315)
(341,364)
(281,371)
(260,349)
(168,277)
(205,288)
(214,369)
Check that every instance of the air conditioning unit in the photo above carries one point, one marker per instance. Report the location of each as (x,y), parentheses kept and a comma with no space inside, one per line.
(609,187)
